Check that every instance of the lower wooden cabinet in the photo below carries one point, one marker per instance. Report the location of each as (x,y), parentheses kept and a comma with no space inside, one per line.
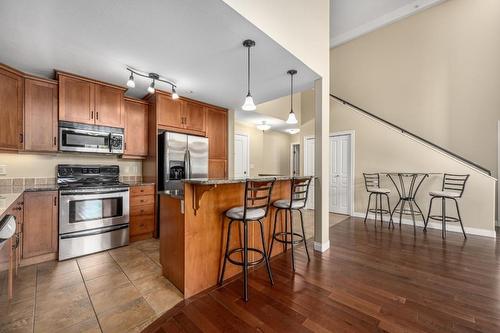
(142,212)
(39,234)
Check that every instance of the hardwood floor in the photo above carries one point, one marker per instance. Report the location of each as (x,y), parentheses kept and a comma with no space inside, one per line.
(370,280)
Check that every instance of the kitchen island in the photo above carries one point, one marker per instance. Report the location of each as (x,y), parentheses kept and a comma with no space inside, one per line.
(193,230)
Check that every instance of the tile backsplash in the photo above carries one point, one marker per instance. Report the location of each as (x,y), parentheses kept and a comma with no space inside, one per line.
(23,182)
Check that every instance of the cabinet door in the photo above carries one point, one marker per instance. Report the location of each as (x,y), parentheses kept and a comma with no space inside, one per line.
(109,106)
(217,133)
(136,128)
(194,116)
(169,111)
(11,110)
(76,100)
(40,223)
(40,115)
(217,168)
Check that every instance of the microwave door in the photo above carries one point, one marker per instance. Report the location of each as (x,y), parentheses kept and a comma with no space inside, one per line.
(84,141)
(198,156)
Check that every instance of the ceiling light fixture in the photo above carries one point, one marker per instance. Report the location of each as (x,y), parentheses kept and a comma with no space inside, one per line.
(154,77)
(293,130)
(130,82)
(249,105)
(291,116)
(175,95)
(264,126)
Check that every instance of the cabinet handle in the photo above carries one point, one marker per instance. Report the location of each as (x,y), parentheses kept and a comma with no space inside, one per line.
(55,201)
(91,114)
(125,146)
(55,141)
(21,138)
(97,115)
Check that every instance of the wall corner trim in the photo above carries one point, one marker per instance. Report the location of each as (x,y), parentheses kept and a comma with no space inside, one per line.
(321,247)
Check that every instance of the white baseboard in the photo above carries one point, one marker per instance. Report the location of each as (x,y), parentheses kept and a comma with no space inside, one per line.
(321,247)
(437,225)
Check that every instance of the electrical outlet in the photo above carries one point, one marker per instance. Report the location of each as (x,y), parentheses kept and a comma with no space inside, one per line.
(3,170)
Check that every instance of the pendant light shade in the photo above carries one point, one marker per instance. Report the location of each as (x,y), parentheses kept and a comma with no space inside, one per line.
(249,105)
(292,119)
(263,126)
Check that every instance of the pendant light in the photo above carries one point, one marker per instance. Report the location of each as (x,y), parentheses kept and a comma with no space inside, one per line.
(249,105)
(263,126)
(291,116)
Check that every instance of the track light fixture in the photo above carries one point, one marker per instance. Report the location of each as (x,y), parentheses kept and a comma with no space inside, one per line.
(130,82)
(154,77)
(291,116)
(249,105)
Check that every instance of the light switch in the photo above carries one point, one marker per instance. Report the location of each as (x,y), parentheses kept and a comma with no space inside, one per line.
(3,170)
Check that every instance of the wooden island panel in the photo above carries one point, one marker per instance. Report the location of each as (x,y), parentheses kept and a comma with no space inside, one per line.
(192,244)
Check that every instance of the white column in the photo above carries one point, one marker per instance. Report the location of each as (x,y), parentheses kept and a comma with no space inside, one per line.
(230,143)
(321,166)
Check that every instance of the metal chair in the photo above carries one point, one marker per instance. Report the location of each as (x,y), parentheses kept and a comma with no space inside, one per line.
(299,188)
(372,185)
(452,189)
(256,205)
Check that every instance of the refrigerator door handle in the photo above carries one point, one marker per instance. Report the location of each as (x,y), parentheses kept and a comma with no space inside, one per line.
(188,155)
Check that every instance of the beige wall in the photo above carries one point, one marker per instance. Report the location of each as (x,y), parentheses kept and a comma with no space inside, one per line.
(435,73)
(28,165)
(269,151)
(379,148)
(280,107)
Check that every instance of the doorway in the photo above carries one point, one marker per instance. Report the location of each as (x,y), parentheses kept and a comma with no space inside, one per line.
(241,156)
(341,173)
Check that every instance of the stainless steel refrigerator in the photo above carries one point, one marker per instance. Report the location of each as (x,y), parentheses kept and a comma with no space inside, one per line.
(181,156)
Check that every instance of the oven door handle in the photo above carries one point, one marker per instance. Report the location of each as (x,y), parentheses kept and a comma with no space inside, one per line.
(93,192)
(94,231)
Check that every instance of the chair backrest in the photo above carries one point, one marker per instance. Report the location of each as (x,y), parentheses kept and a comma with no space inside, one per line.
(299,190)
(454,183)
(372,180)
(258,194)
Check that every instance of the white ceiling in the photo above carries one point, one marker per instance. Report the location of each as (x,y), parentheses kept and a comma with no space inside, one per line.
(353,18)
(195,43)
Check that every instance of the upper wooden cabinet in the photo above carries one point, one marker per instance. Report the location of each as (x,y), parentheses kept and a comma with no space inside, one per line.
(11,109)
(40,223)
(217,133)
(136,128)
(180,115)
(40,115)
(90,102)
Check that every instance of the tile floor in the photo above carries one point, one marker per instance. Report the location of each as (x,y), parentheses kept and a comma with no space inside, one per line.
(121,290)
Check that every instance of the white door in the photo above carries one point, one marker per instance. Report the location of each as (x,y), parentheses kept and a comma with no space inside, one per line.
(340,169)
(309,169)
(241,156)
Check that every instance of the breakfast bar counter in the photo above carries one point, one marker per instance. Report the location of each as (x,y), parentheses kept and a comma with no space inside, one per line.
(193,230)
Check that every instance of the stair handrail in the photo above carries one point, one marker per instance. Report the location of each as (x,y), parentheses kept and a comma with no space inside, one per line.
(402,130)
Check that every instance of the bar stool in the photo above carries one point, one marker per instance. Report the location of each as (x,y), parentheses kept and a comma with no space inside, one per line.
(298,197)
(452,189)
(256,205)
(372,185)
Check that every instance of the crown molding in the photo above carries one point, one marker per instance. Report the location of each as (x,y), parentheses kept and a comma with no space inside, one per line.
(389,18)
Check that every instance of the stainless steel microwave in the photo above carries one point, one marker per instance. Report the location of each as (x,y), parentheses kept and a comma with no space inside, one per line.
(84,138)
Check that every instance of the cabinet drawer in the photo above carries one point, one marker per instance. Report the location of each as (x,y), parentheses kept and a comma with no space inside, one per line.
(141,224)
(142,210)
(142,190)
(142,200)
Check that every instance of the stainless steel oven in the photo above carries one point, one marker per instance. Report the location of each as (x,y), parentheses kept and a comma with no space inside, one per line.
(93,210)
(75,137)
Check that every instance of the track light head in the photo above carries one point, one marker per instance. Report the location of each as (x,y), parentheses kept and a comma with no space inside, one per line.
(175,95)
(130,82)
(151,88)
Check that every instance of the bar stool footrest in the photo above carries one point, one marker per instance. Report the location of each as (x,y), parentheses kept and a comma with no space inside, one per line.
(384,211)
(446,218)
(250,263)
(286,241)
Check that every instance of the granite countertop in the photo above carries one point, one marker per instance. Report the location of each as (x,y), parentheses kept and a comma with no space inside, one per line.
(6,200)
(176,194)
(138,183)
(233,180)
(9,194)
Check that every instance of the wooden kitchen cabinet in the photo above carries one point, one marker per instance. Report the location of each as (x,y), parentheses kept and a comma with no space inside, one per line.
(11,108)
(40,223)
(40,115)
(169,111)
(86,101)
(194,116)
(181,115)
(136,128)
(217,142)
